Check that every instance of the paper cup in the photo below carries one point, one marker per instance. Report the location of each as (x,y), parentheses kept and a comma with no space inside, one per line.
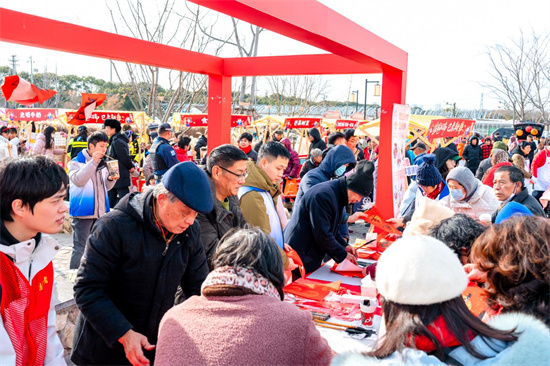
(485,218)
(368,307)
(112,166)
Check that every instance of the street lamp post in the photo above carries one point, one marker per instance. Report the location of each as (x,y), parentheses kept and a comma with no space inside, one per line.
(376,94)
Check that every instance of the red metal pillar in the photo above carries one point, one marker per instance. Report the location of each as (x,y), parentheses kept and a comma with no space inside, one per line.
(393,92)
(219,110)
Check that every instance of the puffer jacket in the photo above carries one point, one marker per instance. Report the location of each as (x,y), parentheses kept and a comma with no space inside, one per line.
(218,222)
(40,147)
(293,167)
(482,201)
(125,282)
(336,157)
(531,348)
(120,150)
(89,186)
(317,143)
(473,155)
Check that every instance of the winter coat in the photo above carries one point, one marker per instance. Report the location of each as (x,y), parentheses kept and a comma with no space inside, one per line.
(489,178)
(218,222)
(317,143)
(119,150)
(473,155)
(76,145)
(336,157)
(531,348)
(541,170)
(89,186)
(252,203)
(483,167)
(202,142)
(308,165)
(240,330)
(481,201)
(293,167)
(125,282)
(313,229)
(181,154)
(40,147)
(486,149)
(442,154)
(527,200)
(252,155)
(31,258)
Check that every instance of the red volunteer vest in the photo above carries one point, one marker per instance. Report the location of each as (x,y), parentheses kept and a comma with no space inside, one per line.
(24,309)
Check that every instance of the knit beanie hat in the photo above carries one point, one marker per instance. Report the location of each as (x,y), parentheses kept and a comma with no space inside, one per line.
(500,145)
(361,181)
(420,270)
(465,178)
(427,174)
(512,209)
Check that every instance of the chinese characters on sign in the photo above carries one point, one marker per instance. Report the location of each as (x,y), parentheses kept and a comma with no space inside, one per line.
(451,127)
(31,114)
(201,120)
(100,117)
(302,122)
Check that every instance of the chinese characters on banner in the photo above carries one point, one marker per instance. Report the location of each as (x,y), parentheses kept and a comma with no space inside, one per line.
(342,124)
(450,127)
(31,114)
(304,122)
(400,129)
(100,117)
(201,120)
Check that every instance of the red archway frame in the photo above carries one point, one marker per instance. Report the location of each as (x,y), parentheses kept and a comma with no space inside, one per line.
(352,50)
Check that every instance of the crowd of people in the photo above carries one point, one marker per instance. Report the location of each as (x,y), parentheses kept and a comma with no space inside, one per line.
(192,269)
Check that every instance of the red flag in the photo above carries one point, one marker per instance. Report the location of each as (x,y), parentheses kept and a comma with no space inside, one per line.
(89,103)
(16,89)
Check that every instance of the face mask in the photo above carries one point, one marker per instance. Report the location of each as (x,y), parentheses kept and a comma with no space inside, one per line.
(340,171)
(457,194)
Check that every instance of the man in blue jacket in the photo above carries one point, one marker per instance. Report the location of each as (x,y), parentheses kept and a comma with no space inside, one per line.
(163,155)
(313,230)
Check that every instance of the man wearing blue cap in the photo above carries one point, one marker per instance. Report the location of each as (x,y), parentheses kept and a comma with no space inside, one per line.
(135,259)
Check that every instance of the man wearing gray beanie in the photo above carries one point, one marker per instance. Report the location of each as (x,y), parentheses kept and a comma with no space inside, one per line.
(468,195)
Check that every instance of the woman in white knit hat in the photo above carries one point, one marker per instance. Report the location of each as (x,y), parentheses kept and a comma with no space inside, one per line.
(421,281)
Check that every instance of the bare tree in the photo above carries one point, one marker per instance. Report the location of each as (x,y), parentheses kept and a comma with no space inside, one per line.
(295,95)
(521,77)
(171,26)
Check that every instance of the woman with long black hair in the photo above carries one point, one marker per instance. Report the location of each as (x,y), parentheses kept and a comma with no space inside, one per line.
(44,144)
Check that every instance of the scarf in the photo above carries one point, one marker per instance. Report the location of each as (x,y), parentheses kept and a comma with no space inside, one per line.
(436,192)
(245,280)
(246,150)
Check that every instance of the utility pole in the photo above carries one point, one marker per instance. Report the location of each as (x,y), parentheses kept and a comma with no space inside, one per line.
(481,106)
(32,71)
(14,64)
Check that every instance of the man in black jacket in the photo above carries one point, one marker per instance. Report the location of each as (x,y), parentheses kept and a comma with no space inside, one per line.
(316,142)
(202,142)
(313,229)
(226,171)
(135,259)
(508,186)
(473,154)
(119,150)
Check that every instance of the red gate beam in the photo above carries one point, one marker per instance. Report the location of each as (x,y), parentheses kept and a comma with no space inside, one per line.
(313,23)
(31,30)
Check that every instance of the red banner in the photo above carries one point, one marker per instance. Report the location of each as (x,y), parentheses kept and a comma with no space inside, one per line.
(450,127)
(201,120)
(100,116)
(332,114)
(342,124)
(31,114)
(302,122)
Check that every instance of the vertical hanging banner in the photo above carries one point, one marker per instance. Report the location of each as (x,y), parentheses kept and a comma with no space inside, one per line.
(400,129)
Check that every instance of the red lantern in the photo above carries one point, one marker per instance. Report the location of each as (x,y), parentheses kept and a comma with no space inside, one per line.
(534,132)
(528,129)
(519,132)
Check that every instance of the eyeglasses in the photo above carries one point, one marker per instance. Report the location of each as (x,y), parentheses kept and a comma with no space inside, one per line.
(240,176)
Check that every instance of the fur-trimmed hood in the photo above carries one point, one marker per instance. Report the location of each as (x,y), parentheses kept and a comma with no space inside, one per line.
(531,348)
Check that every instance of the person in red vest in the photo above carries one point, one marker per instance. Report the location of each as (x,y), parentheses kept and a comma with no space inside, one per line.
(31,206)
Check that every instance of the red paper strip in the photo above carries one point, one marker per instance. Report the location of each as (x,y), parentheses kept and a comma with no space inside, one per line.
(373,216)
(311,290)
